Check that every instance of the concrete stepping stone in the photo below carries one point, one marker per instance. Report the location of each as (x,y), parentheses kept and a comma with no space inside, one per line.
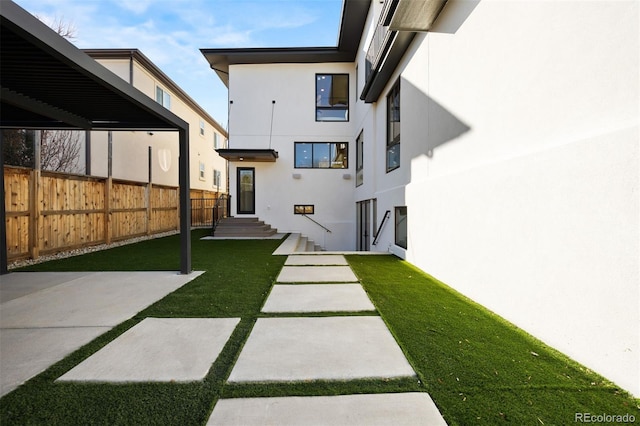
(286,298)
(317,260)
(25,352)
(411,409)
(158,350)
(316,274)
(328,348)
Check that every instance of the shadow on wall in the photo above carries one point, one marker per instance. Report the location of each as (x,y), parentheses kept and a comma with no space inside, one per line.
(456,12)
(435,124)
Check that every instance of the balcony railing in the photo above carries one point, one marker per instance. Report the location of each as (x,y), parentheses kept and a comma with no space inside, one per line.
(378,45)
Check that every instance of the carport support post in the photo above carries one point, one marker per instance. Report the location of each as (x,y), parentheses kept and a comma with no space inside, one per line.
(185,203)
(4,260)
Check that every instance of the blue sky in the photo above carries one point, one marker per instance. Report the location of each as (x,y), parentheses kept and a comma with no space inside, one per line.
(171,32)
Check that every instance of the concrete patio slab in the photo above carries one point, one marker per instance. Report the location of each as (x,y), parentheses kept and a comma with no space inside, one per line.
(329,348)
(94,299)
(318,298)
(158,350)
(48,315)
(318,260)
(18,284)
(411,409)
(316,274)
(28,352)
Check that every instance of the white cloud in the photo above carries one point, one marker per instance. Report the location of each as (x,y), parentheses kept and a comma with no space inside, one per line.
(136,6)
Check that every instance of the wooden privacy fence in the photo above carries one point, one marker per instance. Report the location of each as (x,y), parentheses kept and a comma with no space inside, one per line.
(52,212)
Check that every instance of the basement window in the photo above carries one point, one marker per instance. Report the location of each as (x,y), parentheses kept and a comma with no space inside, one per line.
(303,209)
(401,227)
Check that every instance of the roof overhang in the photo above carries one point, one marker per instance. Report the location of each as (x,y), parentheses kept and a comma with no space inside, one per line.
(354,16)
(249,155)
(419,16)
(400,21)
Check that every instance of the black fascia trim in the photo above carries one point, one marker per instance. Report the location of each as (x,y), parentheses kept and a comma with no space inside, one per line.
(354,17)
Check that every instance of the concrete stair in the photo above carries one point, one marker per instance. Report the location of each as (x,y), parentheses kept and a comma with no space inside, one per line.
(243,227)
(306,245)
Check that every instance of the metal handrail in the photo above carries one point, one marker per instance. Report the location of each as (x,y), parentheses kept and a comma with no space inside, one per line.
(319,224)
(387,214)
(215,212)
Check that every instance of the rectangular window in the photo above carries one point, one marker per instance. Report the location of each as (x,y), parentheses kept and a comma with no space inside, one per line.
(216,140)
(201,127)
(217,178)
(303,209)
(393,128)
(321,155)
(201,175)
(360,159)
(401,227)
(163,97)
(332,97)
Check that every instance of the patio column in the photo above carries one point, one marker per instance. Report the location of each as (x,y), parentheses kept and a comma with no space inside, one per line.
(185,202)
(4,260)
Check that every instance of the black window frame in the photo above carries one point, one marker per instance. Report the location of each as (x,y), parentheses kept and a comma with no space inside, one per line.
(330,107)
(304,209)
(393,141)
(360,159)
(400,222)
(344,162)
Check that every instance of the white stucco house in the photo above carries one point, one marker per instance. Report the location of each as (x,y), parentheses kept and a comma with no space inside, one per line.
(501,137)
(153,156)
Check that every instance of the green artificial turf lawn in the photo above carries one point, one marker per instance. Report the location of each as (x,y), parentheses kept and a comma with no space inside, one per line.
(478,368)
(239,275)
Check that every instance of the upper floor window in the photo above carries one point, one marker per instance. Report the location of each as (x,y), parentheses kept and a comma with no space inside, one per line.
(163,97)
(201,127)
(217,178)
(393,128)
(360,159)
(332,97)
(321,155)
(216,140)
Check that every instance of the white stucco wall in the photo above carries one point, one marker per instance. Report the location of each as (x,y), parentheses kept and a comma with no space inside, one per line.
(252,88)
(520,164)
(520,156)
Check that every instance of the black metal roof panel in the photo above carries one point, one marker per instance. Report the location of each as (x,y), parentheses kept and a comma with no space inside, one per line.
(47,82)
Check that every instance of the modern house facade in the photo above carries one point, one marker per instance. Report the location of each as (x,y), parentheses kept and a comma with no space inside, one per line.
(494,145)
(153,156)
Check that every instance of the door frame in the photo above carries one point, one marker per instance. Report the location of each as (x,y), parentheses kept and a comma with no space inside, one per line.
(239,171)
(363,225)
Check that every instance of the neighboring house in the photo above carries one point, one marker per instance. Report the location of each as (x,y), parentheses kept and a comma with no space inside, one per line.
(502,137)
(158,150)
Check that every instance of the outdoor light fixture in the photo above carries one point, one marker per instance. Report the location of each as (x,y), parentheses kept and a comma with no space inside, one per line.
(296,175)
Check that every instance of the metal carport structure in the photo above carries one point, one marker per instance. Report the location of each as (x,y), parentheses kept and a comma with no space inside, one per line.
(48,83)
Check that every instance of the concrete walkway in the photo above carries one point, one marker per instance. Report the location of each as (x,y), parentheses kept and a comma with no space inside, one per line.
(338,347)
(335,333)
(44,316)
